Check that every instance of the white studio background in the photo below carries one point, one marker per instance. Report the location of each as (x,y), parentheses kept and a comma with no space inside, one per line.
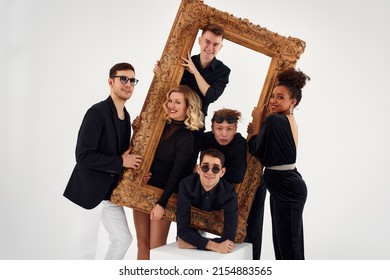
(54,62)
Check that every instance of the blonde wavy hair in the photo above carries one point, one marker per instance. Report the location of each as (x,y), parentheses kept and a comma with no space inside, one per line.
(194,119)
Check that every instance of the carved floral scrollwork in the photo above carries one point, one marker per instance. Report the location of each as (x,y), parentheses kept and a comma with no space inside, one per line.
(194,15)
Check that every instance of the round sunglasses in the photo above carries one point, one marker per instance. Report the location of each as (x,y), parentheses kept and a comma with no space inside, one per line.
(228,119)
(205,168)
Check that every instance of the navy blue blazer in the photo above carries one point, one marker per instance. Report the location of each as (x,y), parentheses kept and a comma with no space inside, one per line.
(98,155)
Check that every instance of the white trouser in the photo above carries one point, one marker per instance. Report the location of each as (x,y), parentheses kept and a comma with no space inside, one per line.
(114,220)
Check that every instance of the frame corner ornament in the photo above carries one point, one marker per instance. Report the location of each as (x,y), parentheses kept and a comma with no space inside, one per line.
(192,16)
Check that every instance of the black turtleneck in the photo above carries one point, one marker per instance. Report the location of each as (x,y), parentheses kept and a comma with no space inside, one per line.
(172,155)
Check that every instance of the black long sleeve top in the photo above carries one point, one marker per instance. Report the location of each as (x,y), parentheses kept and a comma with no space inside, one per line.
(216,75)
(222,196)
(274,145)
(171,158)
(235,155)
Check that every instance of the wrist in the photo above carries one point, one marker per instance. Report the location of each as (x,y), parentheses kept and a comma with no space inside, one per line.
(211,245)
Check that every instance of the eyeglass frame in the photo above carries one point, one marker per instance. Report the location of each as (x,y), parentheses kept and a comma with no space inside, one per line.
(215,168)
(228,119)
(124,80)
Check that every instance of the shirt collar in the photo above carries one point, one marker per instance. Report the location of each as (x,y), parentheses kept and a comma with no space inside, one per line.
(210,192)
(212,65)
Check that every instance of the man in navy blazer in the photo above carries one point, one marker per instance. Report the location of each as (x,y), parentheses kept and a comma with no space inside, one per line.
(102,153)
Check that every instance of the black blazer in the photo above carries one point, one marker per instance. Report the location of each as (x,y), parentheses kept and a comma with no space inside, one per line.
(98,155)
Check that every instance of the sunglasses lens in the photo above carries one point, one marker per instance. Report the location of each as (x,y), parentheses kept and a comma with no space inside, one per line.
(205,168)
(219,120)
(133,81)
(230,119)
(215,169)
(123,79)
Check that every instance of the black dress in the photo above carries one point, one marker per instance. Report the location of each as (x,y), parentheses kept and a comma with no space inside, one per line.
(172,155)
(275,146)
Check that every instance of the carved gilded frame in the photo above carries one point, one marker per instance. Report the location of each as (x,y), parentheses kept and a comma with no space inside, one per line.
(192,16)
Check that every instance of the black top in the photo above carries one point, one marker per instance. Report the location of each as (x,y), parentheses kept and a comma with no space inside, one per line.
(235,155)
(222,196)
(216,75)
(171,157)
(274,145)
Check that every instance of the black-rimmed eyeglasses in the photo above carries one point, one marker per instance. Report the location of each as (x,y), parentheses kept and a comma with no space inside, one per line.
(124,80)
(228,119)
(205,168)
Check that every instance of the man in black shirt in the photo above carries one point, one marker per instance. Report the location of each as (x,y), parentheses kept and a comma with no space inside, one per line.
(225,138)
(208,191)
(204,73)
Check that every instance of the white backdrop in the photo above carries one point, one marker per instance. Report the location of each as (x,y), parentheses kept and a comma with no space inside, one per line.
(54,62)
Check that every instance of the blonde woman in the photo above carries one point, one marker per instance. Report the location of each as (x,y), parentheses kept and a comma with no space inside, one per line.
(183,115)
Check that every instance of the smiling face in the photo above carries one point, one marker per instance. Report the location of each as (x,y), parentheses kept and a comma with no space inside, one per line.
(208,179)
(210,44)
(121,91)
(281,101)
(177,107)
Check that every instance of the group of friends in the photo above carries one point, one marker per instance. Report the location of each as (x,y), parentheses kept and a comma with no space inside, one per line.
(201,166)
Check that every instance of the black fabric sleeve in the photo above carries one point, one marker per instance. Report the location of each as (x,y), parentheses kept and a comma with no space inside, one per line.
(87,148)
(230,208)
(186,195)
(256,142)
(184,151)
(235,169)
(218,85)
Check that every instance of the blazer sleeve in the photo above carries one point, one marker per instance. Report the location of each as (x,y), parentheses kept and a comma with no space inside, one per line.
(95,143)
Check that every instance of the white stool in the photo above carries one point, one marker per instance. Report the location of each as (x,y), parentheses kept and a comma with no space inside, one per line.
(171,251)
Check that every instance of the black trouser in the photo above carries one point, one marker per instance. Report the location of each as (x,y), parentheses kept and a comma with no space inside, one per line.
(254,229)
(288,194)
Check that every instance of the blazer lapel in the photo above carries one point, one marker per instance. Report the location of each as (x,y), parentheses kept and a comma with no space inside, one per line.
(115,120)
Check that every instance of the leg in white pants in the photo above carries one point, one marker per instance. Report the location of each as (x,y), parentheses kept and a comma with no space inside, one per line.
(115,222)
(113,218)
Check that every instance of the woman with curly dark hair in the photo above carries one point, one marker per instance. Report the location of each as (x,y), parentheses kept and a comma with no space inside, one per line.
(275,142)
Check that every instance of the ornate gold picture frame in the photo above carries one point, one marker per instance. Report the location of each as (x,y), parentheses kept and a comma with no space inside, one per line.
(191,17)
